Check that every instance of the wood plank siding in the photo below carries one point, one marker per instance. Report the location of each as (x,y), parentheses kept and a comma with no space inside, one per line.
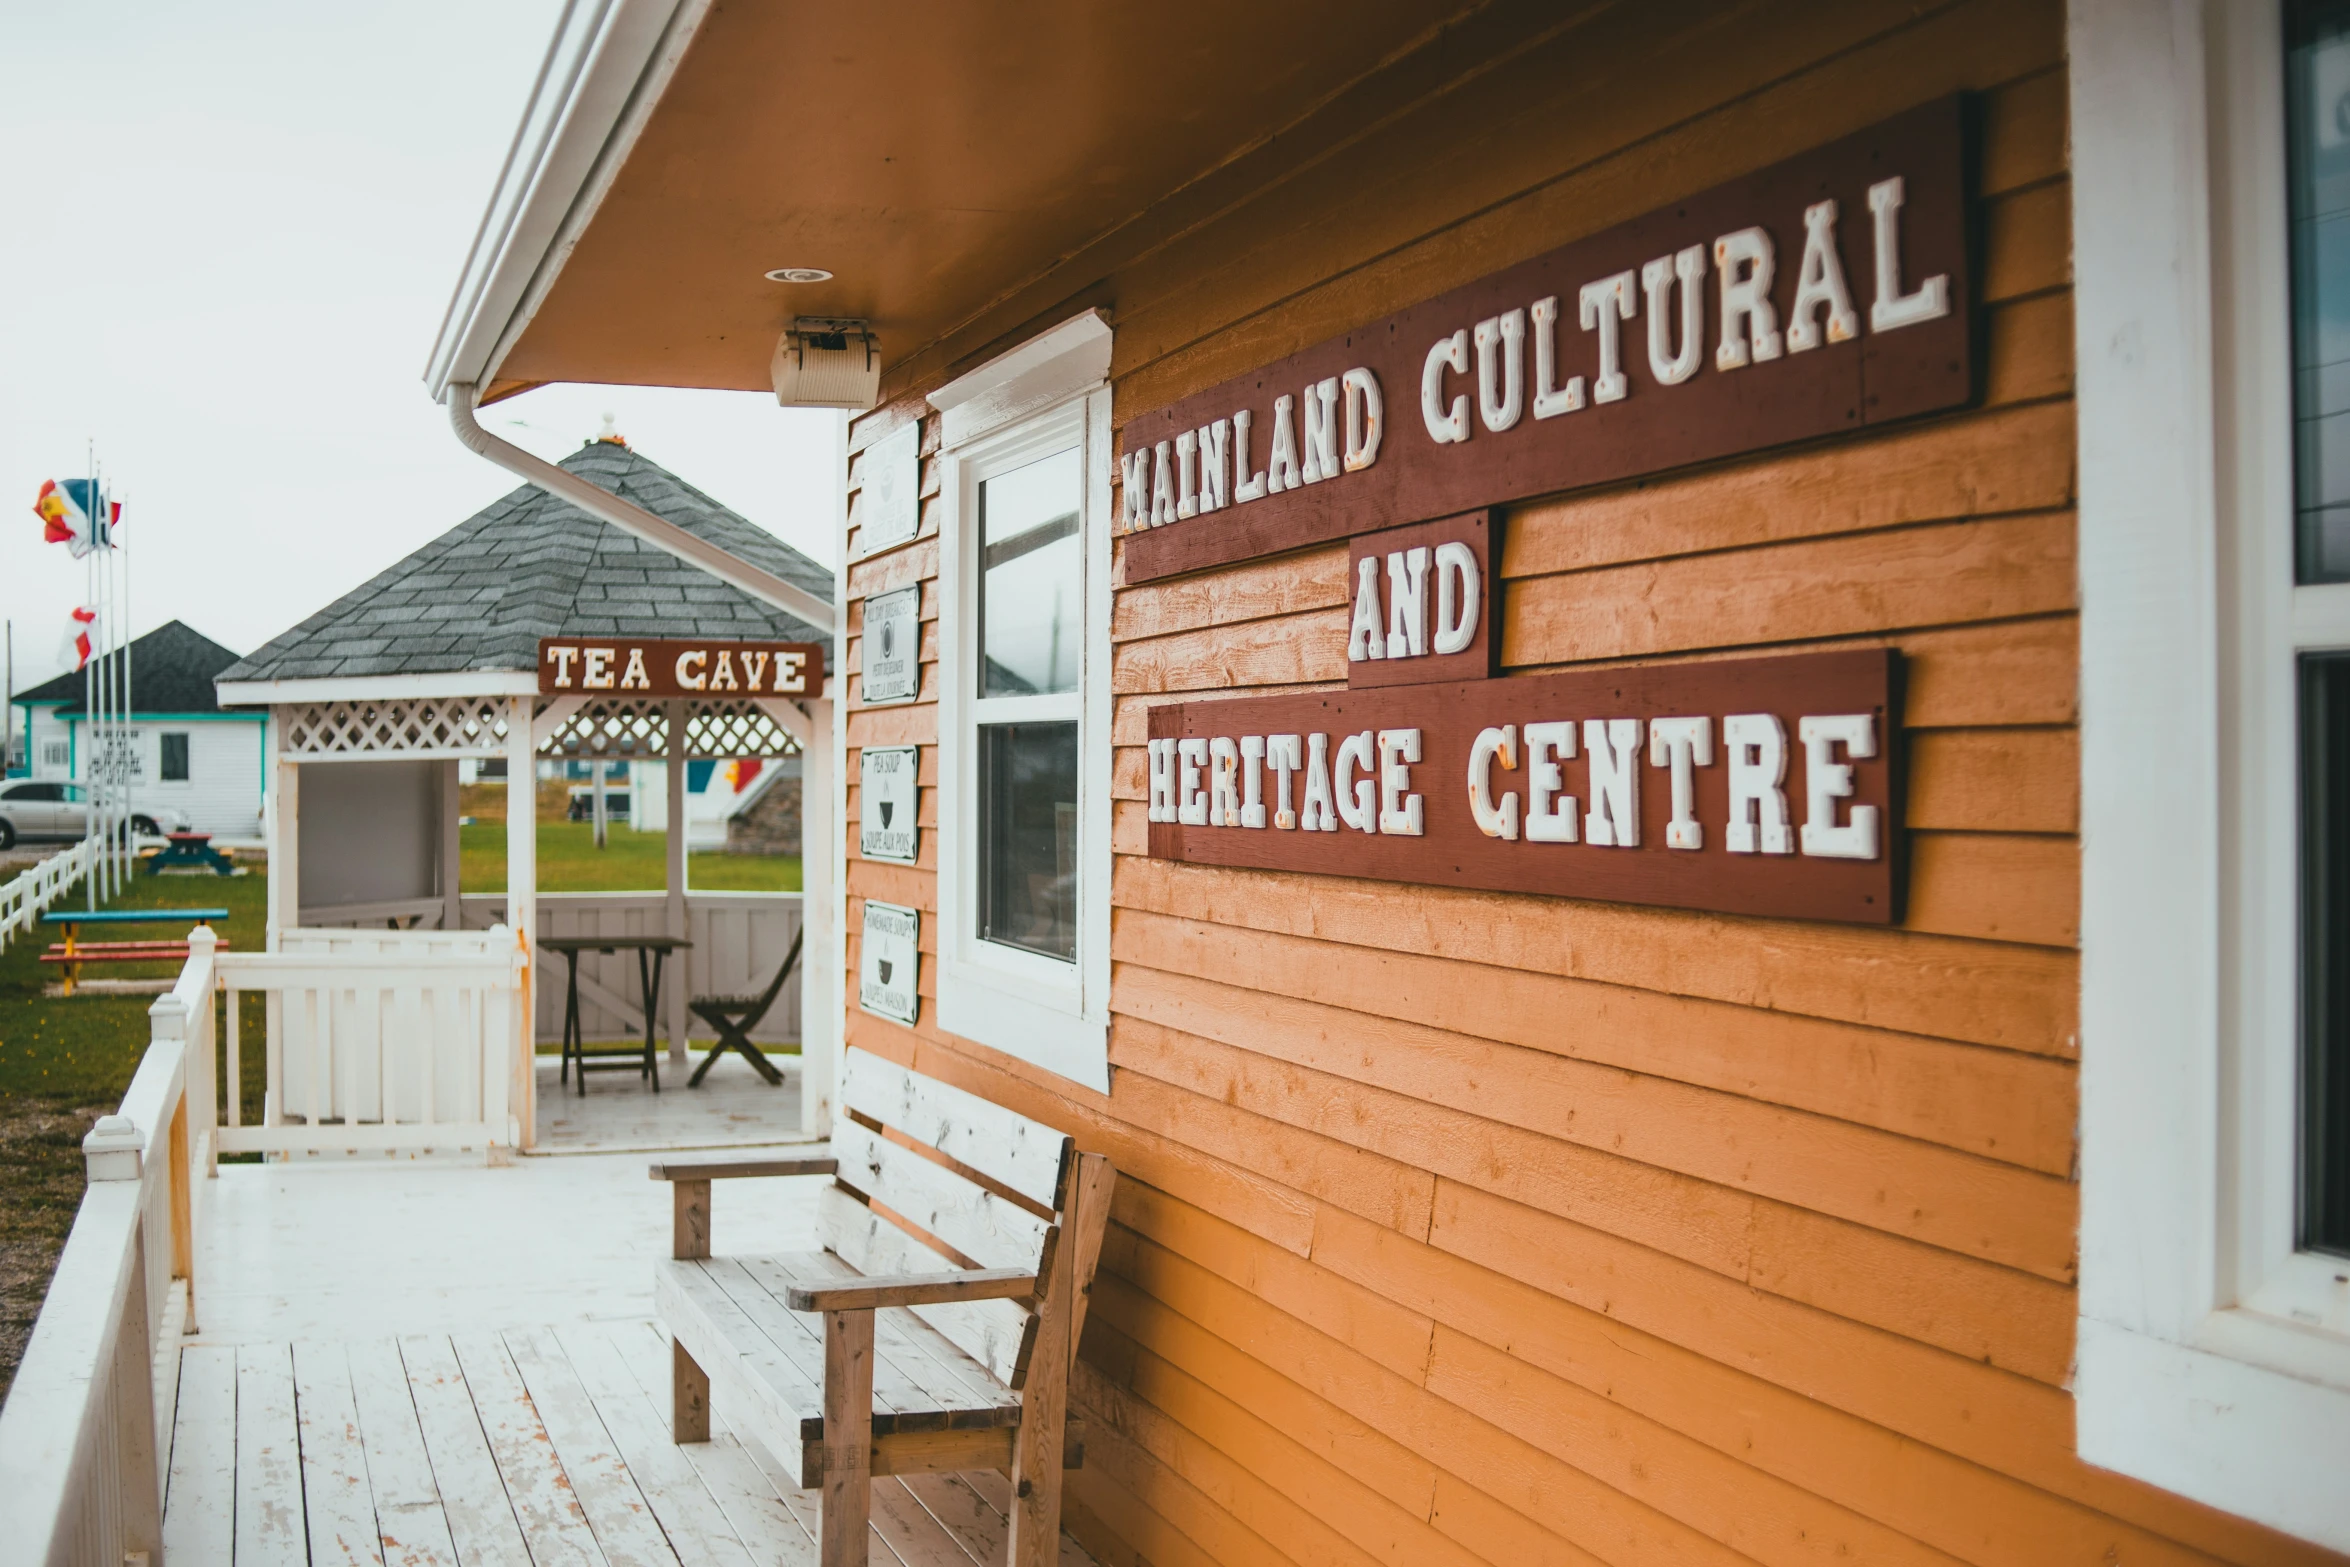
(1458,1228)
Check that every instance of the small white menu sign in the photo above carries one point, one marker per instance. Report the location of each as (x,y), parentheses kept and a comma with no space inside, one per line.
(892,478)
(886,800)
(891,647)
(888,961)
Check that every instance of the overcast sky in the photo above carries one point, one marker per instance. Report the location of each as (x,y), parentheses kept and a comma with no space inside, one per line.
(233,229)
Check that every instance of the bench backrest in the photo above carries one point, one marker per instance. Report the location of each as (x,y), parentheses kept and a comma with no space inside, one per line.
(1001,1192)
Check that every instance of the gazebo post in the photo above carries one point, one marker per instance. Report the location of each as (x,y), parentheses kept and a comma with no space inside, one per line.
(452,798)
(673,881)
(522,900)
(285,836)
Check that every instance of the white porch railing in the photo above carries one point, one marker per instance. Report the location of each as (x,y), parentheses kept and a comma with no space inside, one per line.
(81,1478)
(27,894)
(405,1040)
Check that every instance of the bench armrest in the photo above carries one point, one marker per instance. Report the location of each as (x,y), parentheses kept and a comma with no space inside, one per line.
(728,1169)
(912,1289)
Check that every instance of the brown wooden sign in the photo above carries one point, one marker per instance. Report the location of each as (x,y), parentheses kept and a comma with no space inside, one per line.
(1756,786)
(1426,604)
(648,666)
(1828,293)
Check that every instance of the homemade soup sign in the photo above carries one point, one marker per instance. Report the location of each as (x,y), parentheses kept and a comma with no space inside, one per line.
(1826,294)
(642,666)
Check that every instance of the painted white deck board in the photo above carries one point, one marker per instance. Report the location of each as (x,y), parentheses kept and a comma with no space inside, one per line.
(482,1525)
(734,1107)
(545,1503)
(336,1497)
(200,1500)
(410,1523)
(270,1531)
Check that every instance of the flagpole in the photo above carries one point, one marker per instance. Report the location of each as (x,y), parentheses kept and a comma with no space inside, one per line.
(130,862)
(90,750)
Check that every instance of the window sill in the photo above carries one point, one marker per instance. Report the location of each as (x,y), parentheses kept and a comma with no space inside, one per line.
(1043,1025)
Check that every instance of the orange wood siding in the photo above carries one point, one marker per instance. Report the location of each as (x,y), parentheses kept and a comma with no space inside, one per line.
(1460,1228)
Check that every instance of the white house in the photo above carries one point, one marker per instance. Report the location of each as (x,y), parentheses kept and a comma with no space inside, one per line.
(186,751)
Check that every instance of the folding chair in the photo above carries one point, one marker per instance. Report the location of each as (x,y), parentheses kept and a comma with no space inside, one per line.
(735,1016)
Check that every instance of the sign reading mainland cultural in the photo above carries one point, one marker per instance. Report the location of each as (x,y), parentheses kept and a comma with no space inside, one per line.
(889,958)
(1823,295)
(886,798)
(890,648)
(649,666)
(1750,786)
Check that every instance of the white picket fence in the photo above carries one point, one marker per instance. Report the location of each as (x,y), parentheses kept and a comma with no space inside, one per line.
(26,895)
(381,1040)
(81,1480)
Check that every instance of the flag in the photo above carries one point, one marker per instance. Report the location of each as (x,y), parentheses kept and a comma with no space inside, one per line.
(78,631)
(77,514)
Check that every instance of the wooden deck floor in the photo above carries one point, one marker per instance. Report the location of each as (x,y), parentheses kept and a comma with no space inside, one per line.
(733,1108)
(532,1447)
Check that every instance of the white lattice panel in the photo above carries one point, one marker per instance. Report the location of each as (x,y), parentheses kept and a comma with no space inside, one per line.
(408,726)
(640,727)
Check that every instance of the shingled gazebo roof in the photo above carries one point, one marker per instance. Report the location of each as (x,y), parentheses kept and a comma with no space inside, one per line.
(531,565)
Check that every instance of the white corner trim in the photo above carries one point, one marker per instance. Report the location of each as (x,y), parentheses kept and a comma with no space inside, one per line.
(376,688)
(1051,366)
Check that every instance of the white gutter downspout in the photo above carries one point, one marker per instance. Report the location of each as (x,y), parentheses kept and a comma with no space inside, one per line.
(631,518)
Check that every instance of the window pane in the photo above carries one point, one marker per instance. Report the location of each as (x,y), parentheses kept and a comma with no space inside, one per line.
(175,758)
(1028,837)
(2318,154)
(2325,952)
(1029,584)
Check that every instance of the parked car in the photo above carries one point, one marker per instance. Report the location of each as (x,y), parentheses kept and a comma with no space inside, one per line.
(582,806)
(37,812)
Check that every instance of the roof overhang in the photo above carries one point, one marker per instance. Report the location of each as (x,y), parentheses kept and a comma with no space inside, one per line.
(967,169)
(378,688)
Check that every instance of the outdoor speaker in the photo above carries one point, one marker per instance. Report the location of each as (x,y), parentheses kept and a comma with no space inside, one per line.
(827,362)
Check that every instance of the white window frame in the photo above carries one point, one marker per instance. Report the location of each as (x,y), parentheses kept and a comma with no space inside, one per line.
(1039,398)
(2212,1360)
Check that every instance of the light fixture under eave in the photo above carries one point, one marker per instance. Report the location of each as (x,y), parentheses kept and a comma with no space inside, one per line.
(827,362)
(799,275)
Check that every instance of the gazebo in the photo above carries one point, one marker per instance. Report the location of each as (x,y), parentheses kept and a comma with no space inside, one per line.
(375,701)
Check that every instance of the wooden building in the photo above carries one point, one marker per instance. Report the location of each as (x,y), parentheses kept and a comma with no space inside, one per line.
(1670,1185)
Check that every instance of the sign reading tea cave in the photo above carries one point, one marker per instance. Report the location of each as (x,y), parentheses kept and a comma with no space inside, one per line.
(886,800)
(889,959)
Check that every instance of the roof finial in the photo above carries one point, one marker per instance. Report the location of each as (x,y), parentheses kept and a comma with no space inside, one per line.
(610,434)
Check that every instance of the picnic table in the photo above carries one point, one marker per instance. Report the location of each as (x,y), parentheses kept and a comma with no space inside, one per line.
(70,954)
(191,851)
(651,952)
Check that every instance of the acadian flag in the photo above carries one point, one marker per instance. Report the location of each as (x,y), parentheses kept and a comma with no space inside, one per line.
(79,629)
(70,511)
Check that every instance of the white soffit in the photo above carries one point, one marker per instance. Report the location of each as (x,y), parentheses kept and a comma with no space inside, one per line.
(1049,367)
(378,688)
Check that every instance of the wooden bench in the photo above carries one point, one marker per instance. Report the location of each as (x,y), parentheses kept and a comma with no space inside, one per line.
(936,1328)
(71,953)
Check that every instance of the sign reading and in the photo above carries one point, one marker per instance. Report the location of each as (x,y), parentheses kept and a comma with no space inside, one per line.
(1754,786)
(643,666)
(1825,294)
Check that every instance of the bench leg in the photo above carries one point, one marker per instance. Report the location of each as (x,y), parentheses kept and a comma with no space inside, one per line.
(848,1437)
(1044,1406)
(689,1397)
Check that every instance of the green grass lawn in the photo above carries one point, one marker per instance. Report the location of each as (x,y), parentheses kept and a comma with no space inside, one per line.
(630,861)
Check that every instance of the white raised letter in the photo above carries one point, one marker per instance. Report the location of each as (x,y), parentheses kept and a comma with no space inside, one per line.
(1494,821)
(1444,427)
(1613,744)
(1246,486)
(1892,308)
(563,657)
(1545,822)
(1215,465)
(595,668)
(1162,760)
(1322,430)
(1407,603)
(1605,303)
(1315,814)
(1162,484)
(1282,754)
(1757,743)
(1134,489)
(1252,780)
(1358,798)
(1191,801)
(1399,809)
(1826,780)
(1501,389)
(1366,419)
(1551,401)
(1656,278)
(1680,743)
(1281,463)
(1364,639)
(1750,323)
(1457,590)
(1223,782)
(1819,285)
(1186,473)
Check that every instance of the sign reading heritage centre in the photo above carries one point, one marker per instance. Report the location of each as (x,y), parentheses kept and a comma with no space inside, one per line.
(1751,786)
(648,666)
(1826,294)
